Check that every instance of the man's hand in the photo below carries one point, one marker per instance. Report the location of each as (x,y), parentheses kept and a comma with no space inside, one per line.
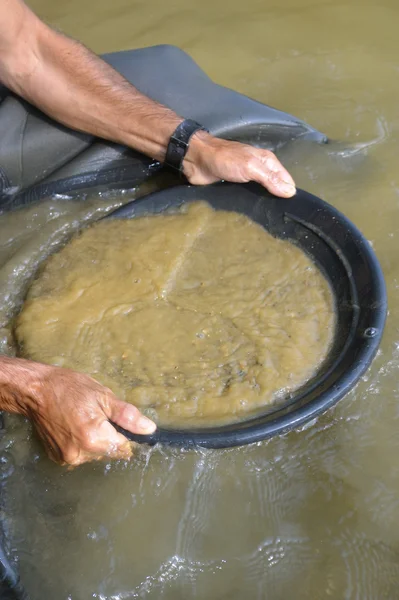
(72,418)
(211,159)
(70,411)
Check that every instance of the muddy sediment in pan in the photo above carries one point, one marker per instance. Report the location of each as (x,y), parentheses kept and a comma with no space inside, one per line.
(166,311)
(198,317)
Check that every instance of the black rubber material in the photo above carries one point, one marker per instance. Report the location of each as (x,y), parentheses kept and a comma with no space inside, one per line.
(349,263)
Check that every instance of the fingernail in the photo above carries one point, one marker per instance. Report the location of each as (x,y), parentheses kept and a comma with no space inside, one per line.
(147,425)
(287,188)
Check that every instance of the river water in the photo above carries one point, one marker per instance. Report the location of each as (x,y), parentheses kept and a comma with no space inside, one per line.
(309,515)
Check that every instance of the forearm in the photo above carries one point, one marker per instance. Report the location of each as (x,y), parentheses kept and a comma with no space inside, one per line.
(77,88)
(18,384)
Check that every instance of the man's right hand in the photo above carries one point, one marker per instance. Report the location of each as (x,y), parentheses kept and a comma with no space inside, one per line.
(71,411)
(211,159)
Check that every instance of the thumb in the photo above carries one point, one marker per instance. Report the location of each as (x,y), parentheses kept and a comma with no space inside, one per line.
(128,416)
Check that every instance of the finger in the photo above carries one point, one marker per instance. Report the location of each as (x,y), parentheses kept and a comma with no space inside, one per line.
(122,452)
(99,439)
(269,172)
(51,446)
(103,438)
(128,416)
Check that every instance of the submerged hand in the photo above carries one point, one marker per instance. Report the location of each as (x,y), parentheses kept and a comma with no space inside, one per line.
(71,413)
(211,159)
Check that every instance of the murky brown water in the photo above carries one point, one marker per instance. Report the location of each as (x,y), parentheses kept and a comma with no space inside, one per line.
(312,514)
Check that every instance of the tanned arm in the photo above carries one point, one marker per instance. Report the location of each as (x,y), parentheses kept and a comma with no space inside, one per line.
(71,411)
(77,88)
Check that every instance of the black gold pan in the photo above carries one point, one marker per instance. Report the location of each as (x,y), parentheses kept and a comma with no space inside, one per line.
(346,259)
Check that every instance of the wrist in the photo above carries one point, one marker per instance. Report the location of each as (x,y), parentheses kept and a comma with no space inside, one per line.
(153,135)
(20,385)
(201,153)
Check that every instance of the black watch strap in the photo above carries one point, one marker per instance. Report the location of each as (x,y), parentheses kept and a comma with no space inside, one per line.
(179,142)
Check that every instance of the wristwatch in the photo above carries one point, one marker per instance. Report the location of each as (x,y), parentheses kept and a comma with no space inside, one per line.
(179,143)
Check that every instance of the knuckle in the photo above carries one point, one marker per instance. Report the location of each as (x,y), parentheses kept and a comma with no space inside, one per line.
(272,163)
(71,456)
(274,177)
(89,440)
(130,412)
(263,153)
(107,399)
(79,460)
(126,413)
(108,392)
(268,154)
(248,151)
(252,163)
